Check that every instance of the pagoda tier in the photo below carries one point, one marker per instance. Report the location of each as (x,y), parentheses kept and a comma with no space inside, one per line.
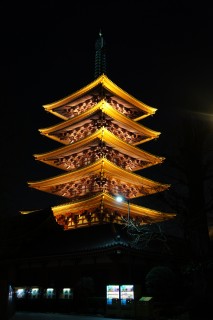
(101,209)
(99,176)
(100,143)
(100,115)
(87,97)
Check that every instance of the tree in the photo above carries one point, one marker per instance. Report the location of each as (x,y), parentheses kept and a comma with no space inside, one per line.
(190,164)
(189,167)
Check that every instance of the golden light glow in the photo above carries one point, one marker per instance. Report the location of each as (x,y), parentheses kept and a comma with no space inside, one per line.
(100,135)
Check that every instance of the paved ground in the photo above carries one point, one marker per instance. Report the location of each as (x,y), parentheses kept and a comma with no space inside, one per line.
(56,316)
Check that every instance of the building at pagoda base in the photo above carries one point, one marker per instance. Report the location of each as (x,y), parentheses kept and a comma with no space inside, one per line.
(43,256)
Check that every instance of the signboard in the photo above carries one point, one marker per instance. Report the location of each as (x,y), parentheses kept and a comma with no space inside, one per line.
(145,299)
(127,292)
(112,293)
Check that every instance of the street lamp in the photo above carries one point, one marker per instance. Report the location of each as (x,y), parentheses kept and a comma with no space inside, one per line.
(121,199)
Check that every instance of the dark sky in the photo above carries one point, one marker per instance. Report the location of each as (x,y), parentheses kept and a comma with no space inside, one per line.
(161,52)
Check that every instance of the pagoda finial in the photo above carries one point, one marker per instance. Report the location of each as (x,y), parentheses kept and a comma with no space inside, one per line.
(100,56)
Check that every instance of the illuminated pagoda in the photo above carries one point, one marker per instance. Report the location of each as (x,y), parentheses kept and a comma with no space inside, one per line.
(102,136)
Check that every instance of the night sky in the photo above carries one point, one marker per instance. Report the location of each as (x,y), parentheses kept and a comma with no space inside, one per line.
(161,52)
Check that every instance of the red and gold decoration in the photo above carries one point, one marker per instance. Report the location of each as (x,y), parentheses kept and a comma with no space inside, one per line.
(101,135)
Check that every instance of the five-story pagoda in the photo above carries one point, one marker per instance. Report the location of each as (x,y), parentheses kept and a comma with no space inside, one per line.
(101,136)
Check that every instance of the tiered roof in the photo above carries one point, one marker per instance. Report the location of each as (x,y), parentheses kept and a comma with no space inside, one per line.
(88,96)
(118,151)
(100,134)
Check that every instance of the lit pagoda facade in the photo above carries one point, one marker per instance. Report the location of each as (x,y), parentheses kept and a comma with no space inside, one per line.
(101,138)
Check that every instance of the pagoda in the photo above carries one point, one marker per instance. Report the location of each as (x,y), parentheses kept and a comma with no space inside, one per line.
(101,139)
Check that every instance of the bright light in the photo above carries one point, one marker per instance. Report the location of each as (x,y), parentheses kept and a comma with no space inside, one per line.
(119,199)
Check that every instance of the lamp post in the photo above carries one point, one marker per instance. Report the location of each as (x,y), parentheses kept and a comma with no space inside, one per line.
(128,202)
(120,198)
